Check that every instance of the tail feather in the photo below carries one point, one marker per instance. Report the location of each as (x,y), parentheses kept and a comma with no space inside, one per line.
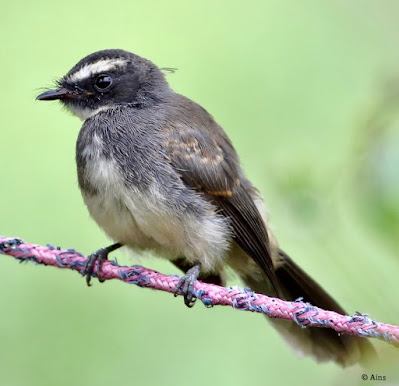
(322,344)
(297,283)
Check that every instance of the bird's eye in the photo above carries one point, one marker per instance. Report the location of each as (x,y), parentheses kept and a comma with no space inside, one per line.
(103,82)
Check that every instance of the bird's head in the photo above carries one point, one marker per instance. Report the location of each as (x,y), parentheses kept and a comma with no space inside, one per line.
(107,79)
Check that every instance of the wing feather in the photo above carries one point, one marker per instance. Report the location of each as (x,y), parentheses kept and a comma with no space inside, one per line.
(208,163)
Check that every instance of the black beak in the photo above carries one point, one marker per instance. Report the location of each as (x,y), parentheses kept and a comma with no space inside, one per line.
(59,93)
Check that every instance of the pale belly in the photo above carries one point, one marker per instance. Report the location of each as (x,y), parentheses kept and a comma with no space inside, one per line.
(145,219)
(114,207)
(117,221)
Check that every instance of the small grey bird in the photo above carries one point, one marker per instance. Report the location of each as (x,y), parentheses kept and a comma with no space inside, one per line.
(158,173)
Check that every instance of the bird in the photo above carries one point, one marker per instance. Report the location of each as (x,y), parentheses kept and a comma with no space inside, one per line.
(158,173)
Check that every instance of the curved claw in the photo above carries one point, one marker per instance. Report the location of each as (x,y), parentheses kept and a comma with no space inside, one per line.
(186,285)
(90,265)
(99,256)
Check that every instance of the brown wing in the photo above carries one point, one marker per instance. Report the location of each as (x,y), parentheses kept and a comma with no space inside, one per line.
(208,163)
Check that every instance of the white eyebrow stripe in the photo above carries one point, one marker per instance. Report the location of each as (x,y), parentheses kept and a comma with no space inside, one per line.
(98,67)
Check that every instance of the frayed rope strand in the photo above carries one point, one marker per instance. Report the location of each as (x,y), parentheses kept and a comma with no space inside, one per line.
(304,314)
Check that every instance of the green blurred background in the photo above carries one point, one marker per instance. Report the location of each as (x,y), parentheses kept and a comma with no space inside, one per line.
(309,93)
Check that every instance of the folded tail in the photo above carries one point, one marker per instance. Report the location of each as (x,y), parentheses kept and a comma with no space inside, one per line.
(323,344)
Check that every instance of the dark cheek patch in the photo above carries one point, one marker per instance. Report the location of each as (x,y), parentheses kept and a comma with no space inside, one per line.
(124,90)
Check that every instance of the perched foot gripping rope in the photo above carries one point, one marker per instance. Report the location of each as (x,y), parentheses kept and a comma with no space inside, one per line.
(304,314)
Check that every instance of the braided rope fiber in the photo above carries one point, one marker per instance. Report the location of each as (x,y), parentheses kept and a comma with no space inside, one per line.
(304,314)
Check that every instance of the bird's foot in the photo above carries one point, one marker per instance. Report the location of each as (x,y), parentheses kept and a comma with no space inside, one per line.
(98,257)
(186,285)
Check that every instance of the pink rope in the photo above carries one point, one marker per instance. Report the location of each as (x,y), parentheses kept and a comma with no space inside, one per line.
(302,313)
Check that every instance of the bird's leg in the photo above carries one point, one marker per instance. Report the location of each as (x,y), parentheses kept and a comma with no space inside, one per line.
(186,285)
(99,257)
(207,277)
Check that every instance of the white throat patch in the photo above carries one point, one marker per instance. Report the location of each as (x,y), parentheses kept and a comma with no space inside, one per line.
(86,113)
(98,67)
